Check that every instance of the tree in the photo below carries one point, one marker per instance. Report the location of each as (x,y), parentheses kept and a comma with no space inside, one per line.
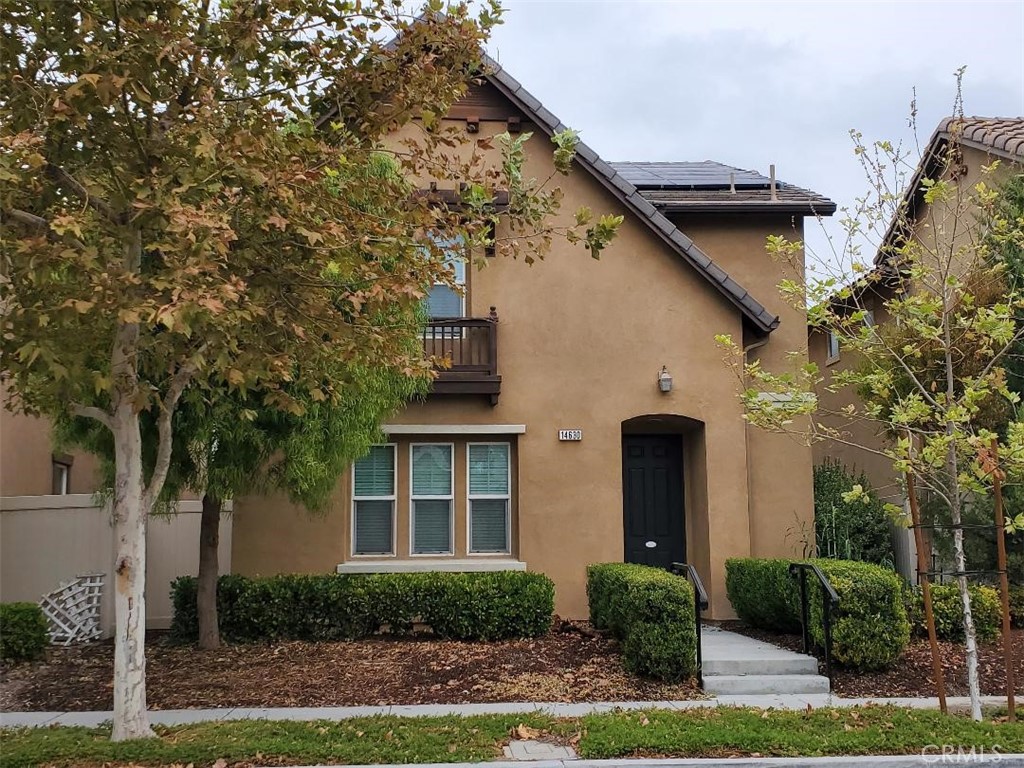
(174,218)
(225,445)
(932,376)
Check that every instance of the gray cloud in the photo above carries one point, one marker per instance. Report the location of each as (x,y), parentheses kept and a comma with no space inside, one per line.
(751,84)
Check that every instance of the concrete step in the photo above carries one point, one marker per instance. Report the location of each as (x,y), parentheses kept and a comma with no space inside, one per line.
(794,664)
(731,685)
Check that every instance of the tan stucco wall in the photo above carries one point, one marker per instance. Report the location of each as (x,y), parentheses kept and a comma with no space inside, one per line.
(580,344)
(26,457)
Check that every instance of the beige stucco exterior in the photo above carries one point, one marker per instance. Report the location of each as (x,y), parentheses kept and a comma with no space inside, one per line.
(26,457)
(580,345)
(944,231)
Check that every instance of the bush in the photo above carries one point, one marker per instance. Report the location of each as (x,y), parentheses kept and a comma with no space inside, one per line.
(23,632)
(459,606)
(651,611)
(763,593)
(849,530)
(1017,606)
(948,609)
(869,628)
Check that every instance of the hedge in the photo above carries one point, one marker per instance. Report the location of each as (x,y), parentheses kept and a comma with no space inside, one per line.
(986,610)
(1017,606)
(459,606)
(24,634)
(870,629)
(651,612)
(762,593)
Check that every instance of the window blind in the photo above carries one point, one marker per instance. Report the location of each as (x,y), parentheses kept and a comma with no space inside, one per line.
(375,472)
(488,470)
(489,525)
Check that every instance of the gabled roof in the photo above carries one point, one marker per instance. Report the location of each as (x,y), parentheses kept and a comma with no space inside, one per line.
(708,186)
(999,136)
(760,318)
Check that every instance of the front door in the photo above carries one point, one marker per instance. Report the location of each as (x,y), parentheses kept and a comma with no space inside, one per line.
(652,499)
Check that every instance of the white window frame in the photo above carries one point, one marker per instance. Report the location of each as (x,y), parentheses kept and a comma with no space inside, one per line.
(832,339)
(393,498)
(462,290)
(62,470)
(413,498)
(470,497)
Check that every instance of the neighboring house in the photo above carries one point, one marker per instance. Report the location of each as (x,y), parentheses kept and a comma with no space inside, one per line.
(980,142)
(588,414)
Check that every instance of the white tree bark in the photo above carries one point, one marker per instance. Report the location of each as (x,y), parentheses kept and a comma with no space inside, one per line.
(131,719)
(970,637)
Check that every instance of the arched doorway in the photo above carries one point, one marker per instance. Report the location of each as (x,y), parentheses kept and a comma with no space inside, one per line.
(654,488)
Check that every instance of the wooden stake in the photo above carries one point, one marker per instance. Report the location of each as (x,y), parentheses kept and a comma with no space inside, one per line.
(1004,581)
(926,589)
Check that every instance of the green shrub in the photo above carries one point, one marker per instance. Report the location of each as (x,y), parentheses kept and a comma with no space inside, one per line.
(869,628)
(849,530)
(459,606)
(948,609)
(652,612)
(1017,606)
(23,632)
(762,593)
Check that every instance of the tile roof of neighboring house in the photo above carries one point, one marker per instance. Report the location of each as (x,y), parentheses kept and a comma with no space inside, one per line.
(710,186)
(1000,136)
(763,320)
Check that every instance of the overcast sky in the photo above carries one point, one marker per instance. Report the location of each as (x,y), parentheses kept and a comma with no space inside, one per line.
(754,83)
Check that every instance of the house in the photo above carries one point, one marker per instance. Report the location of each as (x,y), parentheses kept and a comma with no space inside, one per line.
(587,415)
(978,142)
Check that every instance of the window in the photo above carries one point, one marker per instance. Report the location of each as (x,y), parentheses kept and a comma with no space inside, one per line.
(443,301)
(869,318)
(431,498)
(373,505)
(833,345)
(489,494)
(61,476)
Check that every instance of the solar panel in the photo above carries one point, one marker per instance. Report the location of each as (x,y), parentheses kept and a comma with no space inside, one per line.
(706,174)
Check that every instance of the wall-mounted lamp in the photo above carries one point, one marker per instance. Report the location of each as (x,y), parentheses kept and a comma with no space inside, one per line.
(665,380)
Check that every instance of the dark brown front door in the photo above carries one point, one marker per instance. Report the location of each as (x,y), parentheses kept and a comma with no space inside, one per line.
(652,499)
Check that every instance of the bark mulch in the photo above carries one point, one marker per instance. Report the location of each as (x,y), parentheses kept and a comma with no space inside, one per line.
(912,674)
(565,665)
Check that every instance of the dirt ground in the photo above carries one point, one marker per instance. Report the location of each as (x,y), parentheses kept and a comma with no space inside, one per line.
(564,665)
(912,675)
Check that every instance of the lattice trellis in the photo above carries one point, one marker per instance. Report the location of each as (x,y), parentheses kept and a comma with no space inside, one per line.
(73,609)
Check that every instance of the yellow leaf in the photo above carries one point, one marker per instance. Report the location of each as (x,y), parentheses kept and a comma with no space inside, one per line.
(236,377)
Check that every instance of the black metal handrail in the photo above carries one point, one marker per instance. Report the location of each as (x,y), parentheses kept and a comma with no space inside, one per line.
(700,603)
(829,600)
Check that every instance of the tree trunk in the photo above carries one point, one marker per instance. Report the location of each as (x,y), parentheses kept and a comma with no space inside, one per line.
(960,561)
(131,720)
(206,592)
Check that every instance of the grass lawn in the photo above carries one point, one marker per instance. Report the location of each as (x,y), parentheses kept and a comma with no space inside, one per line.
(660,733)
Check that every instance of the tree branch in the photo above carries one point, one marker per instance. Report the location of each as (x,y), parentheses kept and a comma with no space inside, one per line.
(92,412)
(165,436)
(59,175)
(38,222)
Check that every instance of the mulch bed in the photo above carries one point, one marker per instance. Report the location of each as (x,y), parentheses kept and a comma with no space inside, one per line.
(912,675)
(566,665)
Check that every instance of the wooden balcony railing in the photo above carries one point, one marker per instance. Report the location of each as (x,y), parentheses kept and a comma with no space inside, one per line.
(466,349)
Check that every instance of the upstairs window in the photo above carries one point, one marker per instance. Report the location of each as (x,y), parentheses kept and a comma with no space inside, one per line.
(60,476)
(373,505)
(445,302)
(833,346)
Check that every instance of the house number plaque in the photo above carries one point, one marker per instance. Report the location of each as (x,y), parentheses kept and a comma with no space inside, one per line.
(570,434)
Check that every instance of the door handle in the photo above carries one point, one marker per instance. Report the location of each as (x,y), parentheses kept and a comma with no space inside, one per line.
(651,544)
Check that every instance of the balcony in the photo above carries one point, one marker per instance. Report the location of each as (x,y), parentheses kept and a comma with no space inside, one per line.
(467,351)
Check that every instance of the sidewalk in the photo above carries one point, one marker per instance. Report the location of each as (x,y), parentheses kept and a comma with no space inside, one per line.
(867,761)
(555,709)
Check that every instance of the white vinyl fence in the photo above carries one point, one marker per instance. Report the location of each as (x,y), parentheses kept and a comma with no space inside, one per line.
(46,541)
